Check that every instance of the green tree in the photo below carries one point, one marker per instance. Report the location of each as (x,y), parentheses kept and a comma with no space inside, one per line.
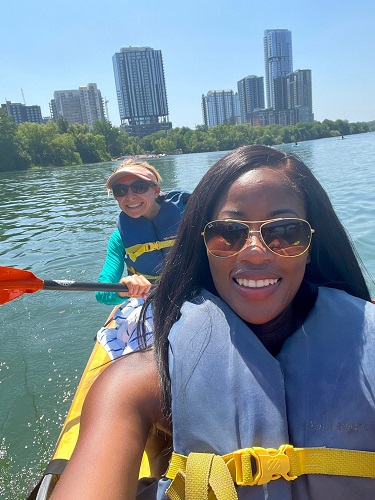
(183,137)
(37,140)
(63,124)
(132,145)
(12,156)
(148,142)
(224,135)
(62,152)
(46,145)
(164,145)
(78,128)
(201,128)
(342,126)
(91,148)
(112,137)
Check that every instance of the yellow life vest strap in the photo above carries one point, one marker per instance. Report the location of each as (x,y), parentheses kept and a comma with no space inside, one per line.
(148,276)
(209,473)
(136,250)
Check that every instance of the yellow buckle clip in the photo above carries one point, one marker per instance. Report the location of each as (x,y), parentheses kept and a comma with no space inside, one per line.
(150,247)
(271,464)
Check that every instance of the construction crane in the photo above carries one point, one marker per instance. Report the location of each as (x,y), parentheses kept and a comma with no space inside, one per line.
(106,107)
(23,97)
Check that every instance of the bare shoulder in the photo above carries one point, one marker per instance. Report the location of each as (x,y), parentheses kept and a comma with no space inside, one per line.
(133,365)
(130,383)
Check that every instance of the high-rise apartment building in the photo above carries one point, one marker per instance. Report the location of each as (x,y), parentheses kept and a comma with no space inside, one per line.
(300,96)
(67,103)
(278,59)
(91,104)
(83,105)
(141,90)
(251,96)
(219,106)
(22,113)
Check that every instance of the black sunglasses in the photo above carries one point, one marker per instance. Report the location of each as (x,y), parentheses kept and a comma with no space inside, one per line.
(138,187)
(284,237)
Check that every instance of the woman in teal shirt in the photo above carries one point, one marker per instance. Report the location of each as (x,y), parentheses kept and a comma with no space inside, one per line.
(145,232)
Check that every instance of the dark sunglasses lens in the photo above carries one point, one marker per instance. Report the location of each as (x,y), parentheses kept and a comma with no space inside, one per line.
(140,187)
(120,190)
(288,238)
(225,238)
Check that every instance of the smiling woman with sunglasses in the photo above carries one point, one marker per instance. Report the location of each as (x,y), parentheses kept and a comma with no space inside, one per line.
(262,372)
(145,232)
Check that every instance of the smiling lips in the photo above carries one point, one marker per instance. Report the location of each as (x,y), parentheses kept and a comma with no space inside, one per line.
(256,283)
(134,205)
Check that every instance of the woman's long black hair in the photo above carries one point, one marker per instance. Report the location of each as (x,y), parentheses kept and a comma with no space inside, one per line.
(333,259)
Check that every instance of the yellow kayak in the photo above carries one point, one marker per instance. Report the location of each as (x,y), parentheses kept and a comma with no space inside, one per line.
(66,442)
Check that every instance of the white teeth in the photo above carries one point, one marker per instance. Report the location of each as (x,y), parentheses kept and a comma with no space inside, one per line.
(256,283)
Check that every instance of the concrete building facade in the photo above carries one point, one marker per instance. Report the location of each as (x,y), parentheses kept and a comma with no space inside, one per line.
(83,105)
(220,106)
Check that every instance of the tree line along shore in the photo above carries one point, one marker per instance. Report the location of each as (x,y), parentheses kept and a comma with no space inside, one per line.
(59,144)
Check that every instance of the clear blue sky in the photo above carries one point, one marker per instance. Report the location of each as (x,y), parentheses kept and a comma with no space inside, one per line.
(206,45)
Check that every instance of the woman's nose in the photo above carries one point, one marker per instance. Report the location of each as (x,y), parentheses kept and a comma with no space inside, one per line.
(130,195)
(255,250)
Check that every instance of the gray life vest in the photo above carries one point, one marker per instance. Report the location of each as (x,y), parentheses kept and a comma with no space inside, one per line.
(229,393)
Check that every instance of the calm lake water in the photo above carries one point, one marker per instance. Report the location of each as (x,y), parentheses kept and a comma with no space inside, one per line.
(56,223)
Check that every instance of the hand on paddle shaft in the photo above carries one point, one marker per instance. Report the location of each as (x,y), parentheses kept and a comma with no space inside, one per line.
(16,282)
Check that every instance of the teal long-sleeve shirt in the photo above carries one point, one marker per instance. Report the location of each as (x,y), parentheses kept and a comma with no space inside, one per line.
(114,264)
(112,270)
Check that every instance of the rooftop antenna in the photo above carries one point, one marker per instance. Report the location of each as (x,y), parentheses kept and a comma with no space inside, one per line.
(23,97)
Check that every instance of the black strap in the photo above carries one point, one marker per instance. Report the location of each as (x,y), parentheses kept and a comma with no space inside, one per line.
(56,466)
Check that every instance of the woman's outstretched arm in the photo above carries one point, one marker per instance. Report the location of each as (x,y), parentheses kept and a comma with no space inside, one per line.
(120,409)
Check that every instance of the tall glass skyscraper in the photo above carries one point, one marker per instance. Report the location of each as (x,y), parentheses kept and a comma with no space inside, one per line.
(251,96)
(141,92)
(278,59)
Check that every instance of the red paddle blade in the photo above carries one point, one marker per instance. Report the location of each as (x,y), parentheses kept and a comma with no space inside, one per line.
(16,282)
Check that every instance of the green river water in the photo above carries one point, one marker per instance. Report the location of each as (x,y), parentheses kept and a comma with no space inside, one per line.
(56,222)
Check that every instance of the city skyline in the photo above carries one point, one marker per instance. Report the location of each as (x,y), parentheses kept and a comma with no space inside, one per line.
(288,92)
(205,46)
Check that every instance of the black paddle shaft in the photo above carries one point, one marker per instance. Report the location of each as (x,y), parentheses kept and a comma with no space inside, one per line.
(83,286)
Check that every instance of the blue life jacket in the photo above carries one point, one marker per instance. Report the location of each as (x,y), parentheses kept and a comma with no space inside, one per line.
(229,392)
(147,241)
